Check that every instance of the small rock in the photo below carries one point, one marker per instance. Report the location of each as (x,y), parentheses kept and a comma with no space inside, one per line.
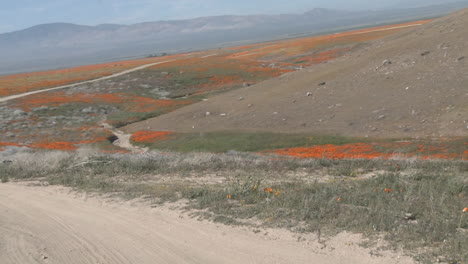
(246,85)
(275,113)
(207,114)
(410,216)
(249,105)
(241,98)
(223,114)
(386,63)
(19,112)
(322,84)
(7,161)
(381,117)
(44,257)
(425,53)
(309,94)
(461,58)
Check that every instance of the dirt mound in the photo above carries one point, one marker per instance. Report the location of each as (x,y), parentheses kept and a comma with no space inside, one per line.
(411,84)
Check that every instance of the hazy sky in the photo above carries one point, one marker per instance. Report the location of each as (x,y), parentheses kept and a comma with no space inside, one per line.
(19,14)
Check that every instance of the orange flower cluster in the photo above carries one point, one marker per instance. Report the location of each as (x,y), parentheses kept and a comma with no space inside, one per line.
(368,151)
(387,190)
(60,98)
(465,210)
(150,136)
(6,144)
(64,145)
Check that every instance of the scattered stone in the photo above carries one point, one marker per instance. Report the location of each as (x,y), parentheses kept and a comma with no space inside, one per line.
(293,101)
(89,110)
(309,94)
(322,84)
(207,114)
(164,73)
(7,161)
(241,98)
(249,105)
(386,63)
(410,216)
(44,257)
(381,117)
(246,85)
(223,114)
(275,113)
(19,112)
(425,53)
(461,58)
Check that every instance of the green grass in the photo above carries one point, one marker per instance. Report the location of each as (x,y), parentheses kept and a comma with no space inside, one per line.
(247,142)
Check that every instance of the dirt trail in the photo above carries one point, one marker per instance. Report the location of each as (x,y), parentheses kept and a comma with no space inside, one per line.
(123,139)
(54,225)
(16,96)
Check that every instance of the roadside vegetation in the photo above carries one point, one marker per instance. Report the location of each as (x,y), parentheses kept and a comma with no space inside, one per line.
(415,205)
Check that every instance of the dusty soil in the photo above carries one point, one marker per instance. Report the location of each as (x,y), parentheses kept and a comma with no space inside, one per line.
(410,84)
(54,225)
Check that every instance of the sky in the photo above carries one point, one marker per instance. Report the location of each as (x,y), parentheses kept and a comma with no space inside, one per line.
(20,14)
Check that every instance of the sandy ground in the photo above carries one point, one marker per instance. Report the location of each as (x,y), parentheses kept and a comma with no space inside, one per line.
(55,225)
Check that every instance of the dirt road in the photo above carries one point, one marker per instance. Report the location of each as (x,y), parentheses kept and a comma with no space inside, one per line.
(16,96)
(55,225)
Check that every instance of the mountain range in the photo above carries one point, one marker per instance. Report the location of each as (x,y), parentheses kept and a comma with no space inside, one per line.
(59,45)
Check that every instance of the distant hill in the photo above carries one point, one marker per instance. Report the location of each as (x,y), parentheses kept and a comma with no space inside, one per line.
(65,45)
(407,85)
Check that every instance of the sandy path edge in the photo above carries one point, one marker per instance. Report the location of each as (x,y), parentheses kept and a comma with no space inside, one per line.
(55,225)
(16,96)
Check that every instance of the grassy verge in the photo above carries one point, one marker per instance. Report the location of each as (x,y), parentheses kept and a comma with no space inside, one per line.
(226,141)
(415,205)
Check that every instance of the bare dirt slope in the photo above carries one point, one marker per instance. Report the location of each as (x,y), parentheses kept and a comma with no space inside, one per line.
(50,225)
(411,84)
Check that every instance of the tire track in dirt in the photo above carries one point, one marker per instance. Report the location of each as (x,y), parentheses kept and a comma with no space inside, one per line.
(52,225)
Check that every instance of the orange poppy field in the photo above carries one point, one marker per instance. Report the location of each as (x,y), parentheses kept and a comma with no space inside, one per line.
(55,119)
